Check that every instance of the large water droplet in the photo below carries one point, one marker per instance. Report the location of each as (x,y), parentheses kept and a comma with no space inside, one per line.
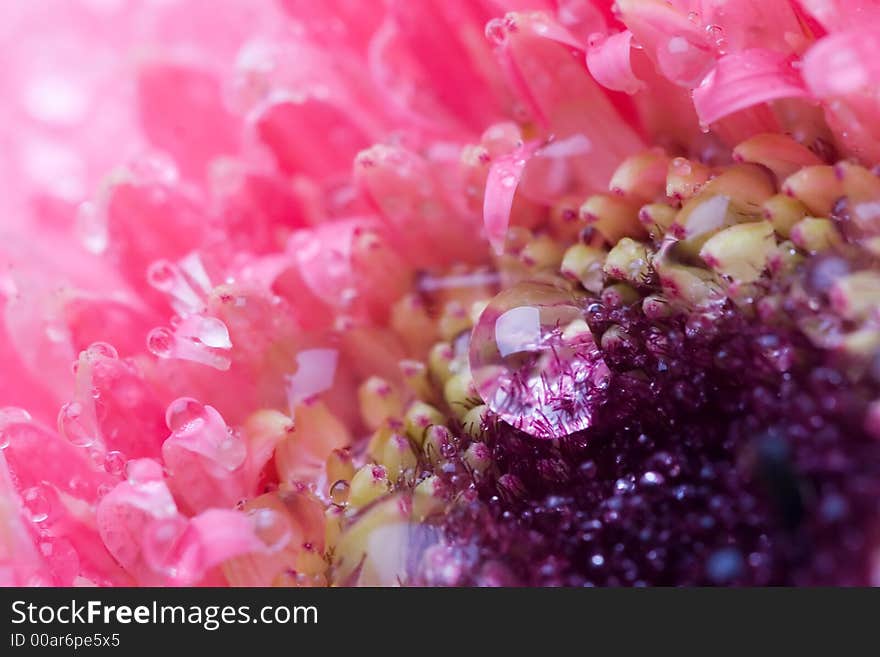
(102,350)
(213,333)
(36,503)
(160,342)
(272,528)
(114,462)
(535,363)
(74,424)
(9,417)
(496,31)
(185,415)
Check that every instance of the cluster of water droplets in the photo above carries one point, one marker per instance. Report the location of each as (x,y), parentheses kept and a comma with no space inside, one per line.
(193,335)
(202,430)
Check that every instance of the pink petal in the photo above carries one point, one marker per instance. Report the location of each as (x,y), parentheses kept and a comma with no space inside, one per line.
(735,25)
(744,79)
(842,14)
(203,457)
(678,46)
(20,564)
(555,85)
(147,222)
(311,137)
(504,176)
(316,369)
(610,65)
(199,129)
(843,63)
(211,538)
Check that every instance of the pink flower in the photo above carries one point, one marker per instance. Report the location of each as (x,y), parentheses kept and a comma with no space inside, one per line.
(243,241)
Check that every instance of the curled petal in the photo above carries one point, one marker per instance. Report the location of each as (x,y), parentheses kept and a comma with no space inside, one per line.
(678,46)
(744,79)
(504,176)
(610,65)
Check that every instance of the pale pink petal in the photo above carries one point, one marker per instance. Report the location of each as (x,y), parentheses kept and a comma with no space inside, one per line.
(555,85)
(745,79)
(842,14)
(199,129)
(843,63)
(504,177)
(678,46)
(610,65)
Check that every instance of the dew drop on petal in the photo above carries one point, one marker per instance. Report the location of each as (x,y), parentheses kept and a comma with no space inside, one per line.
(213,333)
(102,350)
(496,31)
(161,275)
(160,342)
(185,415)
(36,503)
(535,363)
(272,528)
(74,425)
(114,462)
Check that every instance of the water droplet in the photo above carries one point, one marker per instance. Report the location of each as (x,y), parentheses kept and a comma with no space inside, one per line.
(162,275)
(681,166)
(9,417)
(534,360)
(652,479)
(114,462)
(185,415)
(213,333)
(272,528)
(160,341)
(678,45)
(496,31)
(165,343)
(202,430)
(231,452)
(167,277)
(36,503)
(74,424)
